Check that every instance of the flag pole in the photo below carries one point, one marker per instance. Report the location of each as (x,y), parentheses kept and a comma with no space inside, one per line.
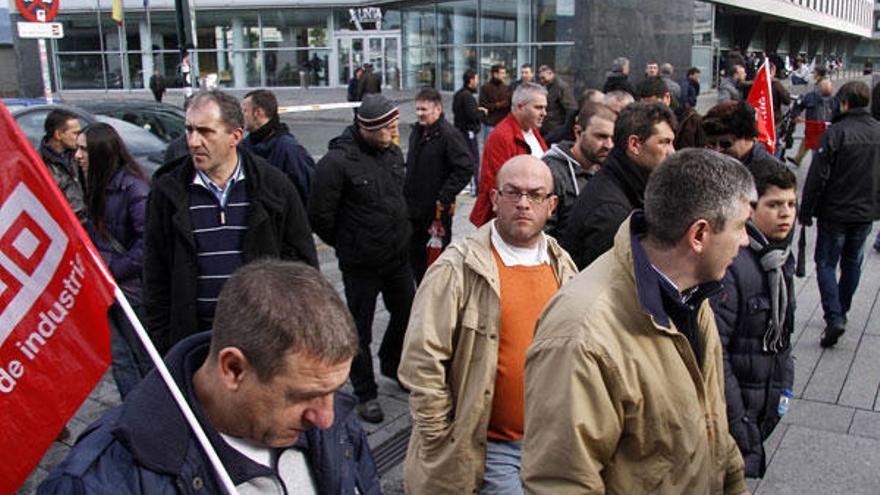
(184,406)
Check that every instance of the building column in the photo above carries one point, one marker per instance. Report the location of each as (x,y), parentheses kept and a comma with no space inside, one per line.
(222,48)
(459,57)
(146,52)
(523,25)
(239,61)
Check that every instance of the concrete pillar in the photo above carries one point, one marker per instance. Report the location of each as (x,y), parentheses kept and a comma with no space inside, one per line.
(523,26)
(146,52)
(222,49)
(459,30)
(239,61)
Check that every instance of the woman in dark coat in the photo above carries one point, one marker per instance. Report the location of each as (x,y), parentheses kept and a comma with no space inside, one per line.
(116,198)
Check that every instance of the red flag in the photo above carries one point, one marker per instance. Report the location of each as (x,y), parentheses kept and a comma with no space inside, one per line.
(761,97)
(54,295)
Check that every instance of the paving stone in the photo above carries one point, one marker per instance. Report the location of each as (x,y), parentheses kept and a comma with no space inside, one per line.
(809,461)
(819,416)
(863,380)
(866,424)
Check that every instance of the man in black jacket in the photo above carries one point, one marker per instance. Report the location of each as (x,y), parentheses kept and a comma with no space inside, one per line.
(467,117)
(560,100)
(212,212)
(643,135)
(841,191)
(618,77)
(755,316)
(56,150)
(357,206)
(438,166)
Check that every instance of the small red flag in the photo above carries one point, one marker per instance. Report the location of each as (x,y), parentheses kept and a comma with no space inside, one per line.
(54,295)
(761,97)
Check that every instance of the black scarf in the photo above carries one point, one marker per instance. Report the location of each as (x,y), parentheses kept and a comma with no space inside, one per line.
(271,129)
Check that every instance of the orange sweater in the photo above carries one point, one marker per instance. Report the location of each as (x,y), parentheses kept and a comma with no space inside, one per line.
(524,292)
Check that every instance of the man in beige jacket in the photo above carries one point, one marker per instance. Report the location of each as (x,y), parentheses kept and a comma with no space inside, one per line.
(624,380)
(471,324)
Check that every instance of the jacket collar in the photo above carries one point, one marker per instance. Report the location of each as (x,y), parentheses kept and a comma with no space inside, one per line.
(852,113)
(630,176)
(650,285)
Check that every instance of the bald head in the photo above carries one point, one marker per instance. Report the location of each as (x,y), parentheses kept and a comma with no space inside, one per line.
(825,87)
(523,200)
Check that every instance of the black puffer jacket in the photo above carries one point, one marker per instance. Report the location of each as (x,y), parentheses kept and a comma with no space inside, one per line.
(356,203)
(615,191)
(753,378)
(843,184)
(438,166)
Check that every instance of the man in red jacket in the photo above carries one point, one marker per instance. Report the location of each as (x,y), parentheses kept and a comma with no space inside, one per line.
(518,134)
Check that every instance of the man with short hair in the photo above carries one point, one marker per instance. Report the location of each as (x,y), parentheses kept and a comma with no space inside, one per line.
(729,86)
(472,321)
(357,207)
(617,100)
(438,166)
(819,107)
(560,100)
(467,116)
(730,129)
(216,210)
(755,317)
(654,89)
(690,88)
(573,164)
(841,191)
(652,69)
(666,73)
(624,387)
(369,83)
(264,386)
(643,136)
(518,134)
(271,139)
(56,150)
(526,74)
(617,79)
(495,97)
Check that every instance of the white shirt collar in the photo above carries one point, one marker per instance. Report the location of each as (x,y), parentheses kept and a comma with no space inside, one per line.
(513,256)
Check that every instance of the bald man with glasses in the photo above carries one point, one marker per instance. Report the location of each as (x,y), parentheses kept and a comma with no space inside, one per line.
(471,323)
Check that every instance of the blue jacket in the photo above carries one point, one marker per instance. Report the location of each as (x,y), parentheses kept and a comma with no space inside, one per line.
(145,445)
(124,217)
(276,144)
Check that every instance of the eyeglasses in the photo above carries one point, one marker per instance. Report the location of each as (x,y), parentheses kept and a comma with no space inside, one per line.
(534,198)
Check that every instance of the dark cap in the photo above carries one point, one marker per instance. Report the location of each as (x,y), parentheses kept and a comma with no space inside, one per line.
(376,112)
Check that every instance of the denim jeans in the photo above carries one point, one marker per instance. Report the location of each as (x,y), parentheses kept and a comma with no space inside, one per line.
(842,243)
(130,361)
(502,468)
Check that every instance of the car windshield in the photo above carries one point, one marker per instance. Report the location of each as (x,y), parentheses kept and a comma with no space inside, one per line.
(139,141)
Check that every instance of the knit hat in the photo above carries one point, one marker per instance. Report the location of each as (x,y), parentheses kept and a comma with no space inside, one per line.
(376,112)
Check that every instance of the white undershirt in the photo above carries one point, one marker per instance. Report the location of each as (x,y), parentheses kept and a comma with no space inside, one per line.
(293,468)
(533,143)
(513,256)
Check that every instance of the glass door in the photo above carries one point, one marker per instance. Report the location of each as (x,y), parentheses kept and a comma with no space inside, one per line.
(381,50)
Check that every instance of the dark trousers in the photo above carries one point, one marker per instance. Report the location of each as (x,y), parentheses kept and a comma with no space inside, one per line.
(842,243)
(129,360)
(361,289)
(418,254)
(470,137)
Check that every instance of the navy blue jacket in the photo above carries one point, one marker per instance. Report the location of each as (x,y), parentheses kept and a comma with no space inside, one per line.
(146,446)
(281,149)
(753,378)
(124,217)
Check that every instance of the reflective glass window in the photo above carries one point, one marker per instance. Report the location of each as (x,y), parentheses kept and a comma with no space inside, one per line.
(457,22)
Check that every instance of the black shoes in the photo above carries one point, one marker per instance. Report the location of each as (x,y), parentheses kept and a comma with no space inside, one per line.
(370,411)
(831,334)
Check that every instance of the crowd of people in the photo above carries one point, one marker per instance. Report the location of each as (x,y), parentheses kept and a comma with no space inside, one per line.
(620,321)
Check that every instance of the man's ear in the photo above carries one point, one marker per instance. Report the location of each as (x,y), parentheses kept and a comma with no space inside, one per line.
(495,197)
(698,235)
(232,366)
(633,145)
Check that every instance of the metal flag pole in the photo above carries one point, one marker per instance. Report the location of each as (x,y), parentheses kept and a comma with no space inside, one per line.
(184,406)
(101,44)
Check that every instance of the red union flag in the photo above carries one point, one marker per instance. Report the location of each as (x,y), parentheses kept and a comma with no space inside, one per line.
(54,295)
(761,97)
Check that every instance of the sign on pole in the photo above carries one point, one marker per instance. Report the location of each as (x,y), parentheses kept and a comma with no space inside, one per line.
(38,10)
(27,30)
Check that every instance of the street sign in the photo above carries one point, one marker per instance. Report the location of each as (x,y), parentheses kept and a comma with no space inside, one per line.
(40,30)
(38,10)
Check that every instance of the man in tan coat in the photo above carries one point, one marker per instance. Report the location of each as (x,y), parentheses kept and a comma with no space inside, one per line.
(471,324)
(624,387)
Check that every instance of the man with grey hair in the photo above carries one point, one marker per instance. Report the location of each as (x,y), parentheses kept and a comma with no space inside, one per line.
(618,99)
(264,385)
(518,134)
(643,406)
(214,211)
(618,77)
(666,73)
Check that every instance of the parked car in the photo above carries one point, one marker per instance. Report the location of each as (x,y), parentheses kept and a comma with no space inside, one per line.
(163,120)
(146,148)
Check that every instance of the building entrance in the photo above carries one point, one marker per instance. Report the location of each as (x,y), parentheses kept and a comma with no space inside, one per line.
(382,49)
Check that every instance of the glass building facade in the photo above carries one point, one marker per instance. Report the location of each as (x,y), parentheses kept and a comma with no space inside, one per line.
(410,44)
